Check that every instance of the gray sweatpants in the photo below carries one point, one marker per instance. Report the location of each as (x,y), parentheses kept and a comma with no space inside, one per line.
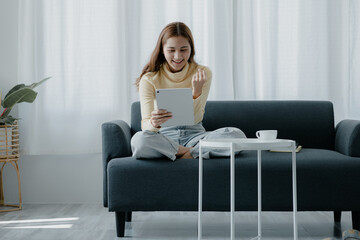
(147,144)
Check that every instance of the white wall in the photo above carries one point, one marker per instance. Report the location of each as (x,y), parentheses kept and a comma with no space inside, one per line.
(56,179)
(44,179)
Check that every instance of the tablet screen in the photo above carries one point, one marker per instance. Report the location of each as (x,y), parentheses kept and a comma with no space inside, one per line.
(179,101)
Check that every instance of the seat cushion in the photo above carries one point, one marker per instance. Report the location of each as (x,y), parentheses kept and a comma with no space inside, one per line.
(326,180)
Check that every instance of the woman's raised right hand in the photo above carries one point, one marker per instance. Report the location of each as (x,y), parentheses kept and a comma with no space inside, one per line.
(159,116)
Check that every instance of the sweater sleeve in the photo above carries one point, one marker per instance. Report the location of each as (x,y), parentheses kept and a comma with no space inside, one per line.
(147,98)
(200,102)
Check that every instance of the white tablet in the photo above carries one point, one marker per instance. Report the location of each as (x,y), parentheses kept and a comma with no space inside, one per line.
(178,101)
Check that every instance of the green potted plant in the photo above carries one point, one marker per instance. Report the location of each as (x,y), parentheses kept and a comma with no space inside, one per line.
(19,93)
(9,134)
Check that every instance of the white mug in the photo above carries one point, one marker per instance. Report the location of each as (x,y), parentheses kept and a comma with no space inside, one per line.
(266,134)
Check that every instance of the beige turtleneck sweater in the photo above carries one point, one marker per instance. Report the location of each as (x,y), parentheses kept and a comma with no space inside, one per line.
(164,78)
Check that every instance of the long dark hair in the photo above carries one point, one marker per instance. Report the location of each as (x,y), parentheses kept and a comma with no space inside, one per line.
(157,58)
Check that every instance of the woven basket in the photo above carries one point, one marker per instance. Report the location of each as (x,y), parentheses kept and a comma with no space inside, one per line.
(9,142)
(9,153)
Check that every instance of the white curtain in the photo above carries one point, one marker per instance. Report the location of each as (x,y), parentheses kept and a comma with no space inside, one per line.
(257,50)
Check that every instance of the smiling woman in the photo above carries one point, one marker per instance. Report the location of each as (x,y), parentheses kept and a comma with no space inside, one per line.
(172,65)
(175,46)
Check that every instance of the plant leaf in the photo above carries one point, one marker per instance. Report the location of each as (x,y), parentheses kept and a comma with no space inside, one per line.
(17,87)
(22,95)
(34,85)
(7,120)
(31,86)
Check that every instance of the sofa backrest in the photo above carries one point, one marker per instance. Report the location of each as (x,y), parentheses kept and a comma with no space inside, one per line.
(310,123)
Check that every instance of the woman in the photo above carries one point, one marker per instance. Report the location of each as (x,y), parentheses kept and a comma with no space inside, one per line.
(172,65)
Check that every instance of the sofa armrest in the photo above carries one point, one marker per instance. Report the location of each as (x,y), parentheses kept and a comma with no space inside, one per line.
(347,137)
(116,137)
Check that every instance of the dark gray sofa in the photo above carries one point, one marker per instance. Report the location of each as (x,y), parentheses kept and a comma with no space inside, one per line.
(328,166)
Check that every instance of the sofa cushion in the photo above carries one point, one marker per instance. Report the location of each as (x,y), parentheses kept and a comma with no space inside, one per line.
(162,185)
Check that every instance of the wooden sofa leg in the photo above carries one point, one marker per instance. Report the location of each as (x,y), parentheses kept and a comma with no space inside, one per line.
(337,216)
(120,224)
(128,216)
(355,216)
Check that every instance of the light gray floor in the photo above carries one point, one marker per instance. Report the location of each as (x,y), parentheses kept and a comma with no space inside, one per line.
(91,221)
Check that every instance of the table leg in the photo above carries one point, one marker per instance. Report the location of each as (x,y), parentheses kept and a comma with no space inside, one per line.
(294,190)
(259,193)
(200,193)
(232,191)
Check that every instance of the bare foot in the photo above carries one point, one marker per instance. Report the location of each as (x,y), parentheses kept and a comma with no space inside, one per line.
(182,151)
(187,155)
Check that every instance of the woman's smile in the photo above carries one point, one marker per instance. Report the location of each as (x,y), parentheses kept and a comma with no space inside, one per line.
(178,62)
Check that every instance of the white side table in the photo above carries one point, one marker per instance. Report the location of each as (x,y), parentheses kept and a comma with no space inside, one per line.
(235,144)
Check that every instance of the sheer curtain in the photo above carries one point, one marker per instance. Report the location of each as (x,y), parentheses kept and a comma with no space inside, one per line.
(94,50)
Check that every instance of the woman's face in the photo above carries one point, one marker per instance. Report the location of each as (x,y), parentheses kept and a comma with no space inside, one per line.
(177,52)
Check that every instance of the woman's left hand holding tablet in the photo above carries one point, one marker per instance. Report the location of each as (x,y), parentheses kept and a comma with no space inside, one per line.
(159,116)
(198,81)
